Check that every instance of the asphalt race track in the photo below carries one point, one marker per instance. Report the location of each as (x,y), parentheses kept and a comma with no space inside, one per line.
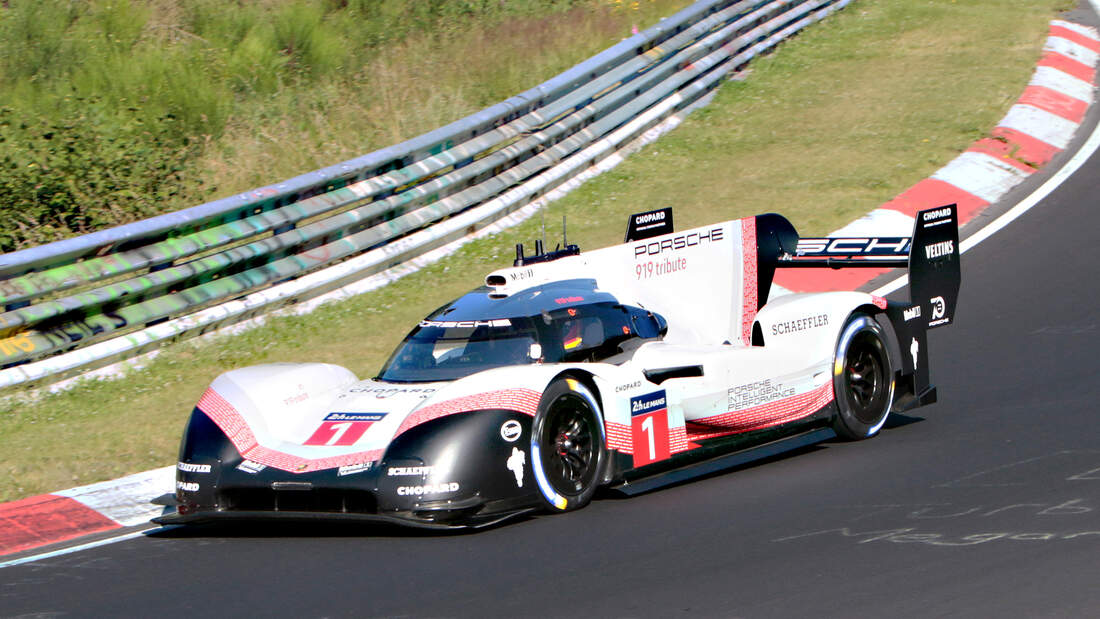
(985,504)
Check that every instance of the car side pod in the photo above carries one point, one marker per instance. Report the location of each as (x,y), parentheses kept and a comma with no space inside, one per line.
(931,257)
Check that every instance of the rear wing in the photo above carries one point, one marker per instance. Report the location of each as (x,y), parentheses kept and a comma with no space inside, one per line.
(931,256)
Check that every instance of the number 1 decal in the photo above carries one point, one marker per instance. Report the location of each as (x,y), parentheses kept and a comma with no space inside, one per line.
(338,431)
(343,428)
(649,428)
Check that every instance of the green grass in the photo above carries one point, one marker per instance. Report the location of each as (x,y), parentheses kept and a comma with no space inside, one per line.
(220,97)
(410,87)
(837,121)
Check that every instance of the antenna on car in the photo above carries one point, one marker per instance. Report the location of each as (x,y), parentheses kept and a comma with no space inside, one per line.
(541,255)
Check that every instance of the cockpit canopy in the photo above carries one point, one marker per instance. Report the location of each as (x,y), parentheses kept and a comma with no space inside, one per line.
(558,325)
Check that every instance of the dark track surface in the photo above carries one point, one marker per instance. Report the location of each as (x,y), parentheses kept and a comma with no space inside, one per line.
(985,504)
(989,505)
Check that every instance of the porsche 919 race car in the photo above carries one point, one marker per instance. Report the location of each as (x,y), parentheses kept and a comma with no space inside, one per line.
(627,367)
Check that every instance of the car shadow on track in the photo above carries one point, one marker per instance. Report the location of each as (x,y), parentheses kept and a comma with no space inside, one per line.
(895,420)
(261,529)
(620,494)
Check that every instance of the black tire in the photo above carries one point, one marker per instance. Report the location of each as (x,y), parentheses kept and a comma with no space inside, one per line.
(863,379)
(567,446)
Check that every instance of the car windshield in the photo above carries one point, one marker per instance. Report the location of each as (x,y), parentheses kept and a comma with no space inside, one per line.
(440,350)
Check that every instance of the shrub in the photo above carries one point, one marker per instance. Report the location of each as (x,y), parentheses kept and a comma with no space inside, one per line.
(81,172)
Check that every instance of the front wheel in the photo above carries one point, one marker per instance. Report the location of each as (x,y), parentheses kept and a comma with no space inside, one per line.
(863,379)
(567,446)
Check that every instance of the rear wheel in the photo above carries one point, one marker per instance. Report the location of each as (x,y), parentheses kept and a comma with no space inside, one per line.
(567,446)
(863,379)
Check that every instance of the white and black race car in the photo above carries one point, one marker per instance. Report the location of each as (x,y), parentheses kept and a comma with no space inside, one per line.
(627,367)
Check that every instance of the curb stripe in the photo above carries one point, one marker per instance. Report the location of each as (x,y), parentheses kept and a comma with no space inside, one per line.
(1040,124)
(1001,150)
(1068,65)
(1025,147)
(981,175)
(879,222)
(934,191)
(1055,102)
(47,519)
(1062,82)
(126,500)
(1071,50)
(1076,37)
(811,280)
(1086,31)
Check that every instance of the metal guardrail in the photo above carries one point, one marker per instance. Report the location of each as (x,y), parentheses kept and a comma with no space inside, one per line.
(75,305)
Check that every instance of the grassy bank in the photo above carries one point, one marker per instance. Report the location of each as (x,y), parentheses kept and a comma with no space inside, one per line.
(837,121)
(115,110)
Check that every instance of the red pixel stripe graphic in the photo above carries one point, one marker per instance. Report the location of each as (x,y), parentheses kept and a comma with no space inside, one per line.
(47,519)
(297,464)
(619,438)
(231,422)
(678,440)
(749,274)
(765,415)
(226,417)
(525,401)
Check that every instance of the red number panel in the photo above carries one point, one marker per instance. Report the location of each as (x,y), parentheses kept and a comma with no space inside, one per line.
(649,428)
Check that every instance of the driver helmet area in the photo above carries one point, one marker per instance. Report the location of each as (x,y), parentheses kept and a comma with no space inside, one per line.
(556,323)
(597,331)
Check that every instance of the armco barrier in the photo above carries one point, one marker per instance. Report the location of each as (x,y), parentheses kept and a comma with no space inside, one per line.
(81,303)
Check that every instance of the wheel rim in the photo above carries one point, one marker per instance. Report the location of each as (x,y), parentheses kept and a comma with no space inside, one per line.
(570,459)
(865,378)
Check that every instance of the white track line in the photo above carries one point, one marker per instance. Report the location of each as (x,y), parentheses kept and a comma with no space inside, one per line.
(87,546)
(1069,169)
